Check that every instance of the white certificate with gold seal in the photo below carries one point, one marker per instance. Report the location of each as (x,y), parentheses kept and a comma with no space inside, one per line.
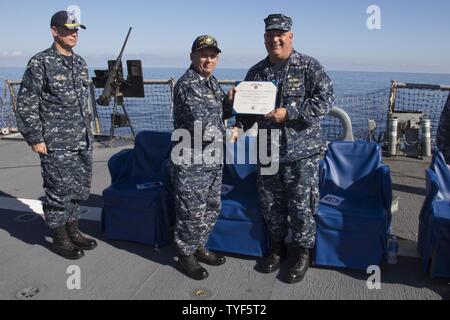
(255,97)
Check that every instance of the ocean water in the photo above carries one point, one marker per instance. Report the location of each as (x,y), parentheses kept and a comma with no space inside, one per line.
(346,83)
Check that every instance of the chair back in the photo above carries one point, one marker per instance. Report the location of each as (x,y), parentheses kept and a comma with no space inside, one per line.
(442,170)
(151,149)
(147,161)
(350,167)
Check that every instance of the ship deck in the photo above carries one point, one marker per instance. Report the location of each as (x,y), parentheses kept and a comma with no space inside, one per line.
(126,270)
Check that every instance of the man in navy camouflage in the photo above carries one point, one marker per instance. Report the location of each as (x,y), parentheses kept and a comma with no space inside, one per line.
(305,94)
(52,115)
(199,105)
(443,132)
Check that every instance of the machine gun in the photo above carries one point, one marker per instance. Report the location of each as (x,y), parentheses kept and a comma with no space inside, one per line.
(116,87)
(113,81)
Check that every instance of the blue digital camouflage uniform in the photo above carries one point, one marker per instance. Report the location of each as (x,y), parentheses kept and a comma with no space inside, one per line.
(443,132)
(52,107)
(306,91)
(197,186)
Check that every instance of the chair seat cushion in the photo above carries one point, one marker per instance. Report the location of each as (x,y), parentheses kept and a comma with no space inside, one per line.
(235,210)
(134,199)
(240,237)
(242,202)
(358,217)
(354,250)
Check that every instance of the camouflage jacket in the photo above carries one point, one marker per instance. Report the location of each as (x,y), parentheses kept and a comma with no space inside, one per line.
(52,105)
(443,132)
(306,91)
(197,99)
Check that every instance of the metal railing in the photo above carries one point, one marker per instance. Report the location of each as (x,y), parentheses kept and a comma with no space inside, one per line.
(154,112)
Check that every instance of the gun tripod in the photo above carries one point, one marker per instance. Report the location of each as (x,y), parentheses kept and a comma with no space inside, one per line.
(119,120)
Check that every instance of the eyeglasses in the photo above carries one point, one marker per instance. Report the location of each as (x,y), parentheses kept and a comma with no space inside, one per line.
(64,31)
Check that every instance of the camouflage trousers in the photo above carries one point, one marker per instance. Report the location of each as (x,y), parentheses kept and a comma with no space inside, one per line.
(67,180)
(198,204)
(289,200)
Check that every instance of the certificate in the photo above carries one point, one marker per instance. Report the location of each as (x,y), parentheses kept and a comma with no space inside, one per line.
(255,97)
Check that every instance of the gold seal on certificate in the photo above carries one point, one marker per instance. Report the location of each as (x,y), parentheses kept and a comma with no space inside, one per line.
(255,97)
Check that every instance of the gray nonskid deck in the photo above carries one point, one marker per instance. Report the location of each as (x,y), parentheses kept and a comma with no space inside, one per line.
(125,270)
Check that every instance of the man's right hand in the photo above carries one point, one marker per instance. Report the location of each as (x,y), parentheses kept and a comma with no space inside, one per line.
(40,148)
(235,134)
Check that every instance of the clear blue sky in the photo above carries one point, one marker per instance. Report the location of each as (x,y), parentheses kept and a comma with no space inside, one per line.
(414,35)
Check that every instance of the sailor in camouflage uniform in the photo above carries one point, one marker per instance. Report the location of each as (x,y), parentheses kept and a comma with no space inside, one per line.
(443,132)
(199,102)
(305,94)
(52,115)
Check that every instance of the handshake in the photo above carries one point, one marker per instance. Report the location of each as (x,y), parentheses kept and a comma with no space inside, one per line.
(234,133)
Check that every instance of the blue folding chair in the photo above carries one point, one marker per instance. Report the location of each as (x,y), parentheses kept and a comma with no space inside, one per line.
(434,220)
(240,227)
(140,214)
(354,214)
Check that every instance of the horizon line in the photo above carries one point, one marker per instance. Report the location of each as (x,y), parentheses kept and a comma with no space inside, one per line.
(229,68)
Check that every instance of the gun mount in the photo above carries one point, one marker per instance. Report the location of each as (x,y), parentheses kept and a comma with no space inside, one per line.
(116,87)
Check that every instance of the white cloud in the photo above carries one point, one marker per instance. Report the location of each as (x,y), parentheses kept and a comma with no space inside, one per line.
(12,54)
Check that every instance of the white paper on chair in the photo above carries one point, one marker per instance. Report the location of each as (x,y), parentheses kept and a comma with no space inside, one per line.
(332,200)
(226,189)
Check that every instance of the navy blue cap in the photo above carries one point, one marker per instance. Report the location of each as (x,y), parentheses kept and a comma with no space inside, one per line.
(66,19)
(205,41)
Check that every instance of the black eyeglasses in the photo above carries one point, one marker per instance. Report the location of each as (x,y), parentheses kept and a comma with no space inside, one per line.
(66,31)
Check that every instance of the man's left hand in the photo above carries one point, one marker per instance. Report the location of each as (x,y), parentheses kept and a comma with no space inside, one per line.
(231,93)
(278,115)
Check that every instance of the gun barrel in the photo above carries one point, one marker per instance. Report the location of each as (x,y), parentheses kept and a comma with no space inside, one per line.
(105,98)
(124,44)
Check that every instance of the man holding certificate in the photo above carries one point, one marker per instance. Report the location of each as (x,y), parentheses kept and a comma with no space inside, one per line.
(303,95)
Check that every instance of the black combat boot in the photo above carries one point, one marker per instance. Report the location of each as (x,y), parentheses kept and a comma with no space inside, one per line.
(77,238)
(190,267)
(271,261)
(209,257)
(63,246)
(301,265)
